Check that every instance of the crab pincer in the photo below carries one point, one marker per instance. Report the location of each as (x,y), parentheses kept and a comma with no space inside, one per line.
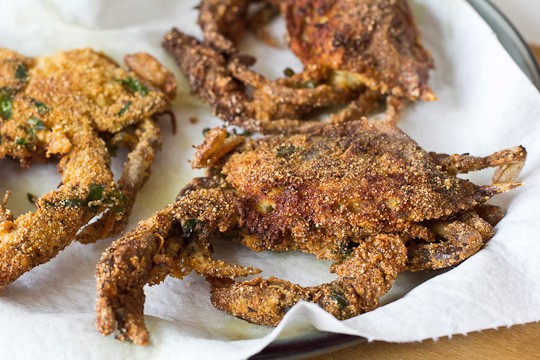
(73,106)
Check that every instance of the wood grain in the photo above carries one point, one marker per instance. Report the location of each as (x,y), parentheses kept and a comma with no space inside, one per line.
(518,342)
(536,51)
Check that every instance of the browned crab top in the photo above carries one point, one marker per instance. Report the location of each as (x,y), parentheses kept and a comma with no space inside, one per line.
(370,42)
(375,42)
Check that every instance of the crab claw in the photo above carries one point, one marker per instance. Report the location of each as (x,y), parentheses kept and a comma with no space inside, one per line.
(363,278)
(173,241)
(151,71)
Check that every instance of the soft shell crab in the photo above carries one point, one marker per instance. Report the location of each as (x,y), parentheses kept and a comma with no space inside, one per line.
(67,106)
(356,52)
(364,195)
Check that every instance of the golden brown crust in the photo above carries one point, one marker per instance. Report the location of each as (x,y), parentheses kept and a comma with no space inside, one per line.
(357,45)
(358,181)
(34,238)
(152,72)
(223,22)
(173,241)
(366,275)
(66,105)
(375,39)
(222,82)
(217,143)
(363,194)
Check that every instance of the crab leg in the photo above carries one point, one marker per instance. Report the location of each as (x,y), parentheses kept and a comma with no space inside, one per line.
(490,213)
(173,241)
(136,171)
(35,238)
(509,162)
(364,277)
(223,22)
(461,240)
(222,85)
(138,258)
(207,73)
(362,106)
(291,91)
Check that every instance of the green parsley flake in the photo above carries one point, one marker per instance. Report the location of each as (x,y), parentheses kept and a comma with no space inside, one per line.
(288,72)
(6,103)
(135,86)
(95,192)
(21,141)
(36,124)
(124,108)
(41,107)
(286,150)
(21,72)
(189,227)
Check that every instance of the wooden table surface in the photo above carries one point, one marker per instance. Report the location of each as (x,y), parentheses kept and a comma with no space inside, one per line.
(517,342)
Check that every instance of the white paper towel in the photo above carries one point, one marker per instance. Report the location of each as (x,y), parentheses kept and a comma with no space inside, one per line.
(485,104)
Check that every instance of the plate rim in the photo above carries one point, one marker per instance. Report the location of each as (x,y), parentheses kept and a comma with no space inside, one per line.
(322,342)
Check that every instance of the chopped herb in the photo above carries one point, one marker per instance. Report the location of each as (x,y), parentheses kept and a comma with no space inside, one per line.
(1,139)
(284,151)
(251,310)
(95,192)
(135,86)
(116,200)
(41,107)
(6,103)
(345,248)
(189,227)
(119,201)
(124,108)
(309,84)
(340,299)
(21,72)
(31,198)
(205,131)
(288,72)
(21,141)
(36,124)
(74,202)
(247,133)
(112,148)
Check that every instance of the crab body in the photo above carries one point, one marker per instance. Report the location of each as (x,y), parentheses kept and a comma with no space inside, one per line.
(364,195)
(73,106)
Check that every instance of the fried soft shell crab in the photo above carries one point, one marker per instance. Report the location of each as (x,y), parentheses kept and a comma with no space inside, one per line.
(72,106)
(355,53)
(360,193)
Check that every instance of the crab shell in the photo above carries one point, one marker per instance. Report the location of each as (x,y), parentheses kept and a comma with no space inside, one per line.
(340,183)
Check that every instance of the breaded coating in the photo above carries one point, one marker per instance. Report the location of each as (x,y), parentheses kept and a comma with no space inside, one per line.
(223,84)
(375,42)
(355,52)
(72,106)
(362,194)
